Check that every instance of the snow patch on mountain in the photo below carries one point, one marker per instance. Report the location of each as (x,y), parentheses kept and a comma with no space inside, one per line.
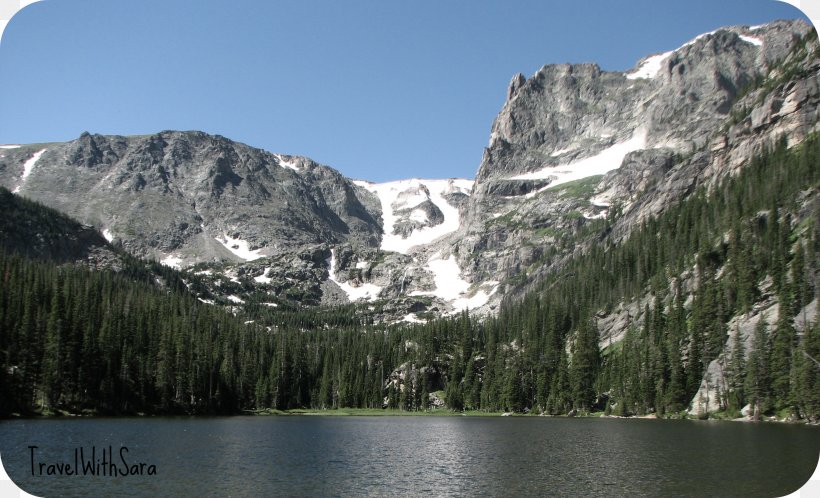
(650,67)
(240,248)
(451,287)
(594,216)
(369,292)
(599,164)
(288,165)
(172,261)
(407,194)
(447,277)
(263,278)
(28,167)
(10,146)
(108,235)
(750,39)
(479,299)
(412,318)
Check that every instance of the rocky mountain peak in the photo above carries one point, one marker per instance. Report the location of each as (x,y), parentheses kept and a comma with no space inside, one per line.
(569,144)
(573,139)
(515,84)
(187,194)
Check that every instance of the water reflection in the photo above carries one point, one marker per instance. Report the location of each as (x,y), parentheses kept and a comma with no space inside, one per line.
(429,456)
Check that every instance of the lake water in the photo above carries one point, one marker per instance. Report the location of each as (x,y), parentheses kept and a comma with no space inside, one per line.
(414,456)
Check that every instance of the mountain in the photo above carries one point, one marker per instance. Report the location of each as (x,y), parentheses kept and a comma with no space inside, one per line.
(192,196)
(639,243)
(571,145)
(284,223)
(676,121)
(570,142)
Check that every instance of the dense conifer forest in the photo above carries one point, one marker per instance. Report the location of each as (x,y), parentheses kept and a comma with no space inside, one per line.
(137,340)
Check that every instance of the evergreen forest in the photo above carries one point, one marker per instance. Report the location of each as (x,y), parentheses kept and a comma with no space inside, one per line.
(138,341)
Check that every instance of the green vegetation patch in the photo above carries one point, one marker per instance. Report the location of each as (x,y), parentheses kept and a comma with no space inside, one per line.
(578,189)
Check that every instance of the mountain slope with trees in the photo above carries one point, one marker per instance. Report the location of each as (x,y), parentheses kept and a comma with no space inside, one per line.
(79,340)
(682,283)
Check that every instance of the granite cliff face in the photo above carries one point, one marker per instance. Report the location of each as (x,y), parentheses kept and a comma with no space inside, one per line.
(677,100)
(572,144)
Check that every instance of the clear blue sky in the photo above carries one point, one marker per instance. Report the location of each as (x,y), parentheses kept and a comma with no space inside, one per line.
(378,89)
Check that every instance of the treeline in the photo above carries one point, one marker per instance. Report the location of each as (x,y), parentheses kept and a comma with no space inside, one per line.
(77,340)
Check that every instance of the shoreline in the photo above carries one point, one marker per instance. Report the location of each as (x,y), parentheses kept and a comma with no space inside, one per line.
(379,412)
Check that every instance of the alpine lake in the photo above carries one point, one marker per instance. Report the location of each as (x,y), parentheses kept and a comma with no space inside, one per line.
(405,456)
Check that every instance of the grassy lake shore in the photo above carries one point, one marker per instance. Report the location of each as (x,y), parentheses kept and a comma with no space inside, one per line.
(377,412)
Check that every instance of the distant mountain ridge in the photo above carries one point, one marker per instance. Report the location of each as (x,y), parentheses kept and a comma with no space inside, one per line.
(572,145)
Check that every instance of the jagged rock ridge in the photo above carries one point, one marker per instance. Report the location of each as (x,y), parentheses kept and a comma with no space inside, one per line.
(570,144)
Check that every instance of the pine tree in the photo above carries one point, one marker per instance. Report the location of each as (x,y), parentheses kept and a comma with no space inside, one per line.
(695,366)
(807,389)
(585,366)
(800,284)
(54,346)
(559,401)
(737,372)
(513,392)
(781,360)
(757,370)
(676,390)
